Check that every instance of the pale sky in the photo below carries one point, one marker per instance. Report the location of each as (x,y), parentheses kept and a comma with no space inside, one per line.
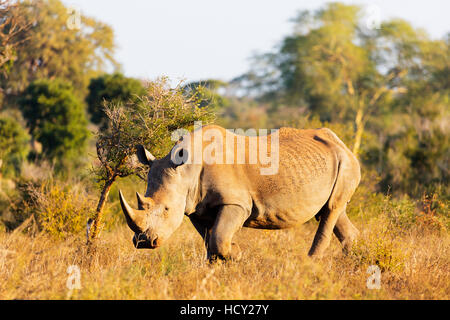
(200,39)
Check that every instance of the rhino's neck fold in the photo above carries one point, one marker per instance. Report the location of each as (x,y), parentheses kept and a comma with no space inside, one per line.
(194,196)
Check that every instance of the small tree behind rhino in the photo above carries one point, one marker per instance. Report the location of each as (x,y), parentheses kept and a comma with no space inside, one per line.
(149,121)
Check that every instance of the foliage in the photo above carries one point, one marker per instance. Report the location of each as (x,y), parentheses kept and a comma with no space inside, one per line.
(207,92)
(63,212)
(245,113)
(56,118)
(390,85)
(12,26)
(57,208)
(58,48)
(14,145)
(401,215)
(149,121)
(378,251)
(319,65)
(433,213)
(111,88)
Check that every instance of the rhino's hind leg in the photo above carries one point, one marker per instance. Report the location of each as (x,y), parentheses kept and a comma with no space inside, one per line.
(333,215)
(345,231)
(230,219)
(323,235)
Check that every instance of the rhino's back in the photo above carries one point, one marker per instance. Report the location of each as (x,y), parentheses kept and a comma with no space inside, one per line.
(305,157)
(307,171)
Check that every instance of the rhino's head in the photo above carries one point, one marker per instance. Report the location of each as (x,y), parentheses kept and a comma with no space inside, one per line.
(161,211)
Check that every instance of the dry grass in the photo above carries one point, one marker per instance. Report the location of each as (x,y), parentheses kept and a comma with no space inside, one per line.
(415,265)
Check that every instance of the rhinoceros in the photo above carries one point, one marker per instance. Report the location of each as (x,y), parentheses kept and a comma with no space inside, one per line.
(316,177)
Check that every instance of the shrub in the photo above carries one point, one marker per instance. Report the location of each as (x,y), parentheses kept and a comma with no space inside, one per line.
(111,88)
(14,146)
(58,209)
(56,118)
(150,122)
(401,212)
(433,214)
(378,250)
(430,214)
(379,245)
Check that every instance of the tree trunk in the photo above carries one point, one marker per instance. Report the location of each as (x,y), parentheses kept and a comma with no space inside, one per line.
(99,212)
(359,123)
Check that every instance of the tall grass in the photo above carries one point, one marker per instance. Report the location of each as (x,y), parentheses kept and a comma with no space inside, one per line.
(413,257)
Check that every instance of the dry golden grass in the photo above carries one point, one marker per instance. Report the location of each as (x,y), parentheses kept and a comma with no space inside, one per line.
(414,263)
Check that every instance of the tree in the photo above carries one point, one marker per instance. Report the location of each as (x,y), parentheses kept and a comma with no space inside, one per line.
(111,88)
(55,118)
(14,145)
(418,131)
(316,65)
(390,83)
(12,27)
(208,91)
(327,65)
(148,121)
(58,48)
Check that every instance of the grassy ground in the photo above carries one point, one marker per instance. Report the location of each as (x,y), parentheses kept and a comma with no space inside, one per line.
(413,256)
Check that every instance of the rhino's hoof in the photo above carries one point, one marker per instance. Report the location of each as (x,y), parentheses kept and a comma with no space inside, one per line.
(235,255)
(215,258)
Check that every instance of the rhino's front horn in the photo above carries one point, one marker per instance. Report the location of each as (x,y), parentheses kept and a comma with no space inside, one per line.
(135,218)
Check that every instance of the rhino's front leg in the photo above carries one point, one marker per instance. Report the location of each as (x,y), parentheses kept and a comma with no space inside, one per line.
(203,227)
(230,219)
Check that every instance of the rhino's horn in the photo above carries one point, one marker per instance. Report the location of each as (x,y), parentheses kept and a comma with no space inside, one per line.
(143,203)
(134,218)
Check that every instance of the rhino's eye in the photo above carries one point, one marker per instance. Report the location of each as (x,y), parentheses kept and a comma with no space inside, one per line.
(146,205)
(165,212)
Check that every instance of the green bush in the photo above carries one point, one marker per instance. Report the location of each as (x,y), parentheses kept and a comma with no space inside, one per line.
(14,146)
(56,118)
(111,88)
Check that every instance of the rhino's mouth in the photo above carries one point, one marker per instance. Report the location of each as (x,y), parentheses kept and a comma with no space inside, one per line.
(141,241)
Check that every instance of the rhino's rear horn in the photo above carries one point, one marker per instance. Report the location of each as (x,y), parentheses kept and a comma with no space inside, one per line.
(143,203)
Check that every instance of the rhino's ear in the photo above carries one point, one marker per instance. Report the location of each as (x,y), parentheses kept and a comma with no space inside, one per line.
(179,156)
(144,156)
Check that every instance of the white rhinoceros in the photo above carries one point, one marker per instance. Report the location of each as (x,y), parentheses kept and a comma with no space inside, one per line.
(315,175)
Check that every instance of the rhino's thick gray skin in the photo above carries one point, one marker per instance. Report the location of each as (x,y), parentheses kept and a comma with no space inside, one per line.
(317,176)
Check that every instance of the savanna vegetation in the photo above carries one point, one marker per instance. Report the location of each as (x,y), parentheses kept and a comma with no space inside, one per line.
(69,129)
